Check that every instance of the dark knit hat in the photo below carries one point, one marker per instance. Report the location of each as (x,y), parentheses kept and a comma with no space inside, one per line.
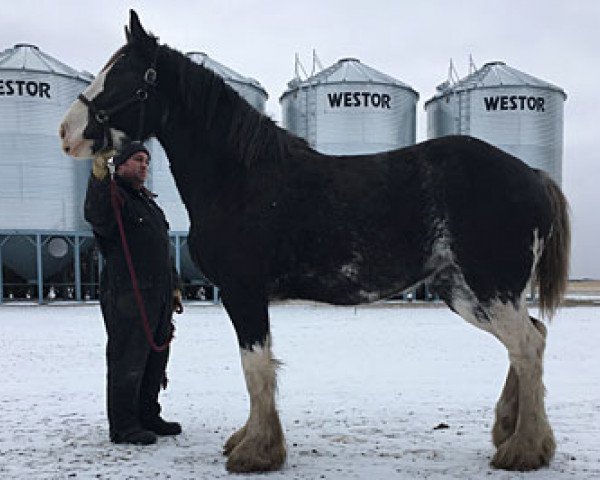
(127,151)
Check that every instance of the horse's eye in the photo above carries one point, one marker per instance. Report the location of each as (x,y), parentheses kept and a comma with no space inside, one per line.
(102,116)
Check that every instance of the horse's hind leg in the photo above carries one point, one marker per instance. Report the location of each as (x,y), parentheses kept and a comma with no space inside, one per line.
(522,433)
(259,445)
(531,445)
(507,407)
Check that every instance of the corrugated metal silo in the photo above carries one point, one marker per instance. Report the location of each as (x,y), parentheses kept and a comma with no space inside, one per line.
(507,108)
(40,188)
(248,88)
(351,108)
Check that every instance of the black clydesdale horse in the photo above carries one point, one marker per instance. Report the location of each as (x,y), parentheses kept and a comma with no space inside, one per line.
(273,219)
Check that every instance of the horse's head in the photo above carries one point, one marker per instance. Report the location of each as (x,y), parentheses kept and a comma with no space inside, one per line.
(113,109)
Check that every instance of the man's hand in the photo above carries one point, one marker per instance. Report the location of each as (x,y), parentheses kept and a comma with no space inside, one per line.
(177,301)
(100,167)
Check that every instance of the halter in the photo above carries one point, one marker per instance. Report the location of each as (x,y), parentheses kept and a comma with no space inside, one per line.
(102,116)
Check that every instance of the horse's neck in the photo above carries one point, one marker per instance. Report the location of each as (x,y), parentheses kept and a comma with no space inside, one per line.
(196,133)
(198,154)
(194,166)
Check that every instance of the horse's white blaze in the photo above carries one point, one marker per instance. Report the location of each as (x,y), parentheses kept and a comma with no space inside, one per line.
(76,120)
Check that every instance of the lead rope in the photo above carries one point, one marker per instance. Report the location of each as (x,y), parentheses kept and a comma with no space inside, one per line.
(117,202)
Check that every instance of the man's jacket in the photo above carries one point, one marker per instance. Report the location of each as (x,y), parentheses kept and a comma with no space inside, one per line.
(146,230)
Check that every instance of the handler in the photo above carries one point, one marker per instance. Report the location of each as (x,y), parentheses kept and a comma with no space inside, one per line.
(135,371)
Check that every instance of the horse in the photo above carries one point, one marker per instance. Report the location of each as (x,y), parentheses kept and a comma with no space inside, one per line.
(271,218)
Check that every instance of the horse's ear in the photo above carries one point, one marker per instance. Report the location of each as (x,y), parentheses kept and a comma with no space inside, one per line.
(138,35)
(127,34)
(135,27)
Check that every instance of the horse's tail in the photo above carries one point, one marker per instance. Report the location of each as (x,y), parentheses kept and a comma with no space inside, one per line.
(553,266)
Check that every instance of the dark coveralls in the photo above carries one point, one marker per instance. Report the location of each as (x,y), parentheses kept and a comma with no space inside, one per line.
(135,371)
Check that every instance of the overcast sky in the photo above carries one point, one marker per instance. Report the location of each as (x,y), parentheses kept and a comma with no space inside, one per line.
(413,41)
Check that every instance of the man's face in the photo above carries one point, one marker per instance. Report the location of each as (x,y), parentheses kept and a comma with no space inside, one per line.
(135,168)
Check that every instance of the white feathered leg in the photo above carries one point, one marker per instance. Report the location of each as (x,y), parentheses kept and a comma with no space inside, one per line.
(507,408)
(532,444)
(259,446)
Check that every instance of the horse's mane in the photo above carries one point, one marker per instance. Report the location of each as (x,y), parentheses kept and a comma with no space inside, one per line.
(252,136)
(117,54)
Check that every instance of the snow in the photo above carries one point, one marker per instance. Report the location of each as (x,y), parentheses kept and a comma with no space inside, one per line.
(360,394)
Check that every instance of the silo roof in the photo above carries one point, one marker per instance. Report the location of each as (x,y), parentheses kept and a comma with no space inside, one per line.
(496,74)
(225,72)
(29,58)
(349,70)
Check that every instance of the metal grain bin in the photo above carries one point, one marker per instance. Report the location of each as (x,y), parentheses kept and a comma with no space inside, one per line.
(507,108)
(248,88)
(351,108)
(161,181)
(40,188)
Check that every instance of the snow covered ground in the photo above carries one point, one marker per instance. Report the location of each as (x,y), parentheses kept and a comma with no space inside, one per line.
(360,395)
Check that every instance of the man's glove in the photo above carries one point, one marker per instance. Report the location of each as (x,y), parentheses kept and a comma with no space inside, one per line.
(100,165)
(177,301)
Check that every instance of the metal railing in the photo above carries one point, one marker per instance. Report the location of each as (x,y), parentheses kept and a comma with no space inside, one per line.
(35,269)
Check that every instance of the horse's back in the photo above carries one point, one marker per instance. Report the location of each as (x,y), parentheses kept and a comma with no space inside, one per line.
(363,227)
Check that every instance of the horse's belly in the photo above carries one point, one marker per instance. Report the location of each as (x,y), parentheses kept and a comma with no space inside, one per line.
(344,287)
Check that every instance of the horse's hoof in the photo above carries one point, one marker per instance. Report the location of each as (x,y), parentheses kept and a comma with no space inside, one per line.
(234,441)
(253,455)
(524,454)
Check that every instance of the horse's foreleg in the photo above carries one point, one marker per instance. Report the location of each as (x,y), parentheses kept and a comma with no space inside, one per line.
(531,444)
(259,445)
(507,407)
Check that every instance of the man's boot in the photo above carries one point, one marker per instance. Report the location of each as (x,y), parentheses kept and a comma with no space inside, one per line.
(137,437)
(161,427)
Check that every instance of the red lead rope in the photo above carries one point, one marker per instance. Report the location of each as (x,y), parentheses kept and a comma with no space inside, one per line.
(117,203)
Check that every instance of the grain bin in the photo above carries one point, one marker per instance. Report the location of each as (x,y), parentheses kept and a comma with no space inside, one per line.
(248,88)
(40,188)
(507,108)
(350,108)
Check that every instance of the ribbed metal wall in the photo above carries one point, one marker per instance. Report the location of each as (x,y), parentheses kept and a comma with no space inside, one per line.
(40,187)
(161,182)
(248,88)
(350,108)
(507,108)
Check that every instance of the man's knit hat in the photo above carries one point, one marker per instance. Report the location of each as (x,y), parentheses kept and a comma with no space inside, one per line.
(129,149)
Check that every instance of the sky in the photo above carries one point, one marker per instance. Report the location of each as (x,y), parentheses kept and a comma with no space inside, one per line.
(413,41)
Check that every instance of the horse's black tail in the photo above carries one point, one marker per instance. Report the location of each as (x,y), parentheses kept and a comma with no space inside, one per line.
(553,267)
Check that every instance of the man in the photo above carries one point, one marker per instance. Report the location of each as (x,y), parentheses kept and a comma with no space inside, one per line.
(135,371)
